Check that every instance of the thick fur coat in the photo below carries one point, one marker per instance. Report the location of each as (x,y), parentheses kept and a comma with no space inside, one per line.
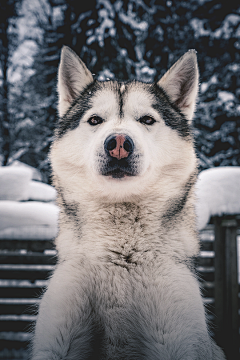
(124,166)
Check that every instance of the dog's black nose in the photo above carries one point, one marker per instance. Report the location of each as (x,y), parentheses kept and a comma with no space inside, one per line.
(119,146)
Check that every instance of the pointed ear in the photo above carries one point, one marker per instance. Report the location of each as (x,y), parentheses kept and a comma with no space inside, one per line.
(181,83)
(73,77)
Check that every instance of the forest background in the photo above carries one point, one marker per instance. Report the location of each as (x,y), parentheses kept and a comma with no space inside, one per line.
(121,40)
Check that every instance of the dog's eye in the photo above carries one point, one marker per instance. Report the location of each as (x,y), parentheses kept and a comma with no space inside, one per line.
(147,120)
(95,120)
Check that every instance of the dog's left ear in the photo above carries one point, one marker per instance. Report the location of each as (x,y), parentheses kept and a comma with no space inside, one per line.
(73,77)
(181,83)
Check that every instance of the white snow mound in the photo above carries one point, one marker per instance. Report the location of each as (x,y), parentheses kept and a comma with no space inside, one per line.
(36,175)
(41,192)
(28,220)
(217,193)
(14,182)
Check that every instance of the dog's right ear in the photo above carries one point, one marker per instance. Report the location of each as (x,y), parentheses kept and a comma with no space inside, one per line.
(73,77)
(181,83)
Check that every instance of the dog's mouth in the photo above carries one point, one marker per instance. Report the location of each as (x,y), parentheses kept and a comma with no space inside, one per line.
(118,169)
(118,173)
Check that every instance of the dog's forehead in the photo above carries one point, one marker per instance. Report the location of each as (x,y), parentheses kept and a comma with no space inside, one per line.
(105,100)
(124,97)
(137,97)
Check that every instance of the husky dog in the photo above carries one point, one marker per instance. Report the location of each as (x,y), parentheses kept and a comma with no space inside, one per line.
(124,167)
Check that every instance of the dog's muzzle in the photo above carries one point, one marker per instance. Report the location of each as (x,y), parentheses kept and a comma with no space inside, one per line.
(118,149)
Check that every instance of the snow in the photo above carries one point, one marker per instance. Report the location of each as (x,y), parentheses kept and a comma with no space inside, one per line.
(237,34)
(227,25)
(36,175)
(226,96)
(130,20)
(17,336)
(41,192)
(205,85)
(22,283)
(28,31)
(24,123)
(217,193)
(18,317)
(26,267)
(234,67)
(28,220)
(15,214)
(22,59)
(105,74)
(198,26)
(106,15)
(14,183)
(21,219)
(225,31)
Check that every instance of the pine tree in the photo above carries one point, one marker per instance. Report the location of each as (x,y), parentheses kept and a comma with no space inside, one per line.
(60,22)
(8,11)
(217,31)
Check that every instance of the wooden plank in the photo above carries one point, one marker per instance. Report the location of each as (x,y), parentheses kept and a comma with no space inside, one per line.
(28,258)
(18,309)
(30,272)
(203,261)
(205,273)
(20,292)
(206,245)
(209,226)
(208,292)
(15,325)
(13,344)
(25,274)
(30,245)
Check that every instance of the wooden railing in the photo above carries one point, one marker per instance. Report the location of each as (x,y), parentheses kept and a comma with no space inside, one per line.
(24,270)
(27,264)
(226,285)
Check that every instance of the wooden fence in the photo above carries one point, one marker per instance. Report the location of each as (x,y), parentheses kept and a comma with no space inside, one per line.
(24,272)
(226,285)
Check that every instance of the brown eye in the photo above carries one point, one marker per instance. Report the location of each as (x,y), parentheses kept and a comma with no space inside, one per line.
(147,120)
(95,120)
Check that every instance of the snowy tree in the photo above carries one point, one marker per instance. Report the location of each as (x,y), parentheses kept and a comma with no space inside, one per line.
(8,11)
(217,33)
(36,103)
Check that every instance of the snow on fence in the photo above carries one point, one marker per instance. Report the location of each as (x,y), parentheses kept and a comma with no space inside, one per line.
(24,273)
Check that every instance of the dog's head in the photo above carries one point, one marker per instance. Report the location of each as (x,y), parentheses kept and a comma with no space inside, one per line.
(118,139)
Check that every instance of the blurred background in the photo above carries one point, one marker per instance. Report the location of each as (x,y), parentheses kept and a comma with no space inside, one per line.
(116,39)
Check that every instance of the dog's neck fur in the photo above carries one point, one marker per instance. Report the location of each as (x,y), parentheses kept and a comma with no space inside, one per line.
(128,233)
